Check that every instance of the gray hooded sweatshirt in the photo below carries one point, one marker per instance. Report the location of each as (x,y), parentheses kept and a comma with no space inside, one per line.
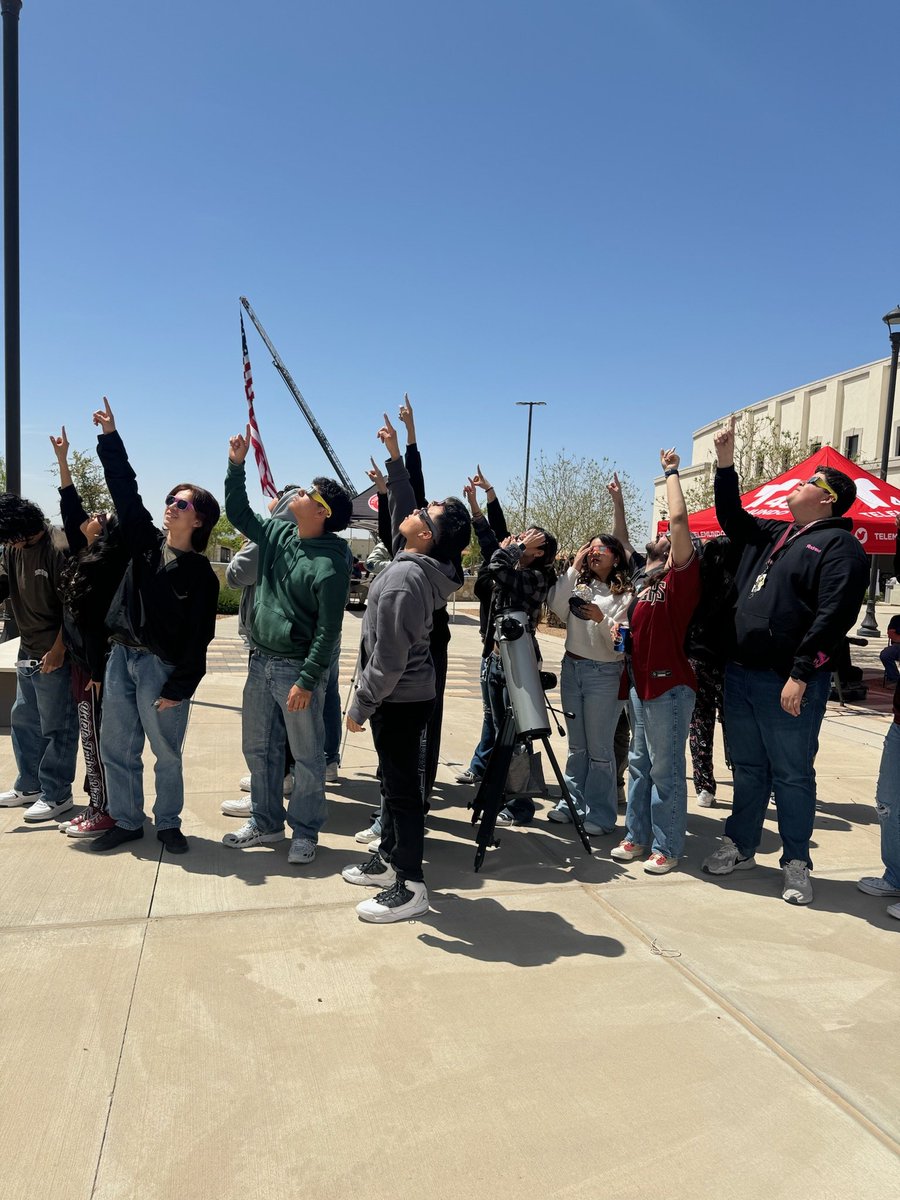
(396,627)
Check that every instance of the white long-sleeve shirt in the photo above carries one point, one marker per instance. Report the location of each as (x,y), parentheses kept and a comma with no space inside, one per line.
(589,639)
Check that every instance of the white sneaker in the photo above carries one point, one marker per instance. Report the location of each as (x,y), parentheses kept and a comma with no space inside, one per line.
(286,790)
(658,864)
(374,872)
(627,851)
(303,850)
(331,772)
(797,888)
(13,799)
(242,807)
(727,859)
(706,799)
(248,835)
(893,910)
(405,899)
(368,835)
(43,810)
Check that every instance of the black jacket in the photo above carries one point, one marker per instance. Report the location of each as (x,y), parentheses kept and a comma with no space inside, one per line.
(173,606)
(812,592)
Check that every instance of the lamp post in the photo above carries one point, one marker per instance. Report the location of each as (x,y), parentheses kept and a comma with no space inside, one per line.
(869,626)
(531,405)
(9,10)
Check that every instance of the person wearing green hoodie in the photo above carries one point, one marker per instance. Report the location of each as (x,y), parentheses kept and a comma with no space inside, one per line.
(302,587)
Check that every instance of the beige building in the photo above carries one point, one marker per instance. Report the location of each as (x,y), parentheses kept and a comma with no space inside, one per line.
(846,411)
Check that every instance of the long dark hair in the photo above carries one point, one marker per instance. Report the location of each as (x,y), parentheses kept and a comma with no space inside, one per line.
(544,564)
(88,580)
(618,580)
(206,506)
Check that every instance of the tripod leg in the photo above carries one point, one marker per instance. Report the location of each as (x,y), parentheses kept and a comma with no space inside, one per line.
(567,796)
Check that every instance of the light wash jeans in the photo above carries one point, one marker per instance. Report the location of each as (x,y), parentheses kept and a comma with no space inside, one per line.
(266,722)
(657,794)
(590,690)
(44,724)
(134,679)
(887,804)
(769,748)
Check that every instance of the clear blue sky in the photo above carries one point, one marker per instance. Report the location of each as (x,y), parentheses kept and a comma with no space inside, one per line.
(645,214)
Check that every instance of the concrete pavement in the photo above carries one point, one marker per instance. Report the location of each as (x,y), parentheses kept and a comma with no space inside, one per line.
(221,1025)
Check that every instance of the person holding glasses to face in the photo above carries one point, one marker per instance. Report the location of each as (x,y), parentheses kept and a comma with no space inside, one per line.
(799,588)
(302,584)
(161,621)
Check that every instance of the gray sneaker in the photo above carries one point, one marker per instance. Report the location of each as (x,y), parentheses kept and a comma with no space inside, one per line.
(797,888)
(303,850)
(248,835)
(877,885)
(467,777)
(727,859)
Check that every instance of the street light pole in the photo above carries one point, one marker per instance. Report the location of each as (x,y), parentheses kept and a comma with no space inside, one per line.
(531,405)
(869,627)
(10,9)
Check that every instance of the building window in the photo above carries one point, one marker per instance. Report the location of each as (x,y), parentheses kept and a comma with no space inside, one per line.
(851,446)
(897,442)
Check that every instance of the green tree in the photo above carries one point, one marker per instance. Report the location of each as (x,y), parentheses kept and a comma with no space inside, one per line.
(567,496)
(2,474)
(87,476)
(225,534)
(761,451)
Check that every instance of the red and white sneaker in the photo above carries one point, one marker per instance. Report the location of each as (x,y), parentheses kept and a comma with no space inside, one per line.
(91,825)
(658,864)
(627,851)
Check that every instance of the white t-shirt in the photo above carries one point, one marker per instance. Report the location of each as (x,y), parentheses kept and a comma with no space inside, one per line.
(589,639)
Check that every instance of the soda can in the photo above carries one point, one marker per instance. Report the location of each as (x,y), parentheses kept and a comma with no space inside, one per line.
(623,636)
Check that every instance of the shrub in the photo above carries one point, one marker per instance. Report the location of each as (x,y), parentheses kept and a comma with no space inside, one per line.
(229,601)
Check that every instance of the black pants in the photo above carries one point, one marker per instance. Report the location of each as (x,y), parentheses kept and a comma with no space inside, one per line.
(440,641)
(396,730)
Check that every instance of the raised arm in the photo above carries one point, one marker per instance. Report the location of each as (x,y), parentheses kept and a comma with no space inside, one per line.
(495,517)
(412,457)
(135,521)
(679,531)
(237,505)
(401,501)
(620,524)
(70,507)
(739,526)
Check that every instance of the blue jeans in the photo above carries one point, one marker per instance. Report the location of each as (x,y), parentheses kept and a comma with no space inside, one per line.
(44,725)
(657,793)
(134,679)
(771,748)
(331,709)
(266,723)
(887,803)
(482,751)
(590,690)
(890,658)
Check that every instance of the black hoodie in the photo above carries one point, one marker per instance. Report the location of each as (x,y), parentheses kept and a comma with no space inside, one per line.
(814,586)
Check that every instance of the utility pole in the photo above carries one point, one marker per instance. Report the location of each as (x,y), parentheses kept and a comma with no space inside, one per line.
(10,10)
(531,405)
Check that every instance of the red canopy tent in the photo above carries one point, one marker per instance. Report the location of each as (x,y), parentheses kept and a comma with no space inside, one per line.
(873,511)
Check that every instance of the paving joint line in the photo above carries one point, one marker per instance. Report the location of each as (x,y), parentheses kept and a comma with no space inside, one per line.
(825,1089)
(137,972)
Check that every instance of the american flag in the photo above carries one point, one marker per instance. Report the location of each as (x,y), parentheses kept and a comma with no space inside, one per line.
(265,475)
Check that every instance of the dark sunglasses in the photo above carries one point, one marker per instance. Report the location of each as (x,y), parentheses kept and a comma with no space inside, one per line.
(181,505)
(422,513)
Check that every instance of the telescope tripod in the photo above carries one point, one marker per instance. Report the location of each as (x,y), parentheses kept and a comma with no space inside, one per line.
(489,799)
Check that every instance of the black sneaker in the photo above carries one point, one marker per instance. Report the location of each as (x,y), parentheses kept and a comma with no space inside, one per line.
(116,837)
(173,840)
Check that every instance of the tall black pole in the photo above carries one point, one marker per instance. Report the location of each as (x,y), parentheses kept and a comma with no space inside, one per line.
(869,627)
(531,405)
(10,10)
